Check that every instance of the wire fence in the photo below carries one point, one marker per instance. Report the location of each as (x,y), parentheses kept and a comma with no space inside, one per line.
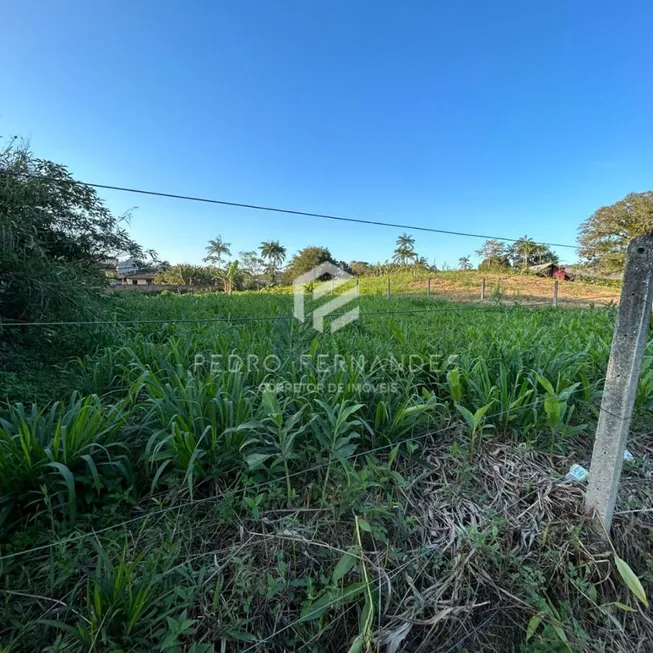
(280,480)
(258,486)
(582,304)
(387,576)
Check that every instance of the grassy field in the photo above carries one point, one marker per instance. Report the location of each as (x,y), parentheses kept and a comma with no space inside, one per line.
(465,286)
(239,481)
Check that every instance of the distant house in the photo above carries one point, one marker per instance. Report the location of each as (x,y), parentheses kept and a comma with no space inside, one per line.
(138,279)
(550,270)
(126,267)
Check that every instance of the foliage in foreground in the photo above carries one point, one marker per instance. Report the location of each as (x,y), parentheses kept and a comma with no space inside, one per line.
(53,231)
(288,488)
(430,550)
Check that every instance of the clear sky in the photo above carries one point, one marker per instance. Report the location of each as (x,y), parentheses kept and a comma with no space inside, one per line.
(505,117)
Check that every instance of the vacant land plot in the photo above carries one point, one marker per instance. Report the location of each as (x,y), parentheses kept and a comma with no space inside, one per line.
(465,286)
(235,480)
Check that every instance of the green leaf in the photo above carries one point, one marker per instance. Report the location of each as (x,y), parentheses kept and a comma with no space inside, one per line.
(350,592)
(562,635)
(399,334)
(533,625)
(467,414)
(256,460)
(345,565)
(241,636)
(453,379)
(346,451)
(546,384)
(69,480)
(393,454)
(480,413)
(630,578)
(553,407)
(366,617)
(622,606)
(364,525)
(93,469)
(357,645)
(318,607)
(270,403)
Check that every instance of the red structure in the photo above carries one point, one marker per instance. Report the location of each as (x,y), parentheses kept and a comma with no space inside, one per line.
(551,270)
(559,273)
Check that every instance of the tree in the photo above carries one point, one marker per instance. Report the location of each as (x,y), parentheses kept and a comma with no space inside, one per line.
(54,234)
(494,254)
(151,262)
(405,249)
(251,262)
(185,274)
(252,267)
(217,249)
(494,264)
(274,253)
(492,248)
(464,263)
(605,235)
(359,268)
(525,252)
(232,277)
(306,259)
(162,266)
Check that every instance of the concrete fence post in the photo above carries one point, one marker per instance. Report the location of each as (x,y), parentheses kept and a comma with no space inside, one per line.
(387,289)
(428,287)
(483,289)
(332,286)
(622,376)
(555,292)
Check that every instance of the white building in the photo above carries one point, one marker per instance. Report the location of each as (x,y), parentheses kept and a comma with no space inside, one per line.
(127,267)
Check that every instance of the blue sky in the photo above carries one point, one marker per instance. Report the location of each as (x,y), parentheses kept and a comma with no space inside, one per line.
(504,117)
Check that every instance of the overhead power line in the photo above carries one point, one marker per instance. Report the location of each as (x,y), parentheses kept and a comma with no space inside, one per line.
(274,209)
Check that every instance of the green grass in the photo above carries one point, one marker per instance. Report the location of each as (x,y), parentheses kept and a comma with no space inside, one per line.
(236,420)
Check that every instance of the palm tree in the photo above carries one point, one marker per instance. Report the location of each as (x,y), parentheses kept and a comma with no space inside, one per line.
(464,263)
(406,240)
(405,249)
(275,254)
(217,249)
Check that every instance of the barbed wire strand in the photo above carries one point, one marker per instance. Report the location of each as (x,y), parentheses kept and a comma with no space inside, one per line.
(223,495)
(273,318)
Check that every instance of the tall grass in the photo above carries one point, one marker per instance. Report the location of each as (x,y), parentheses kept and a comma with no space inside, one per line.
(52,454)
(197,395)
(287,452)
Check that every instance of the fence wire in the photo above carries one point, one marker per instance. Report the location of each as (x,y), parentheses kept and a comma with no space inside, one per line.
(479,308)
(256,486)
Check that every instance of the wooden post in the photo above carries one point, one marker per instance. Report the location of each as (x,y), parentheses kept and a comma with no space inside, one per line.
(624,367)
(387,290)
(357,286)
(428,287)
(483,290)
(555,292)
